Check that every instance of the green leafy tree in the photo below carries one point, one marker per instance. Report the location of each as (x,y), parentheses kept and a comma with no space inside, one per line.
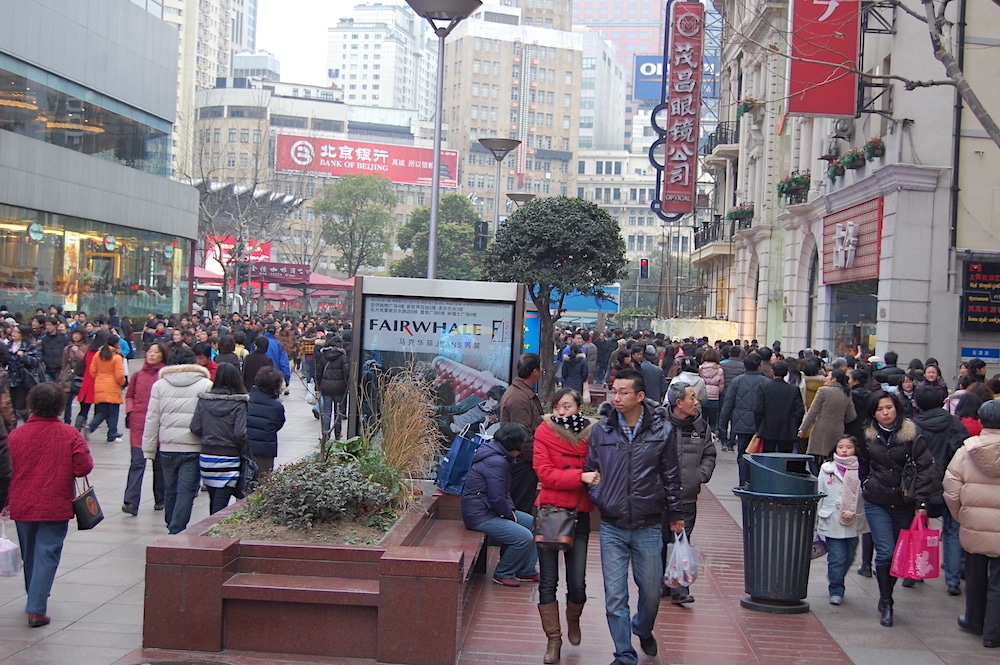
(456,259)
(555,246)
(357,211)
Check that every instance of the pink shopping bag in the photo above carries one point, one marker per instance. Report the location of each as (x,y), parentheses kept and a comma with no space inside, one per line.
(918,552)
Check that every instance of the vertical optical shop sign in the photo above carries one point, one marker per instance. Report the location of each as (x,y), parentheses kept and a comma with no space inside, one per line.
(685,51)
(823,67)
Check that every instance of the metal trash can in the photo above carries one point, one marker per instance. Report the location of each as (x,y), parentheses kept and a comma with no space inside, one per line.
(779,517)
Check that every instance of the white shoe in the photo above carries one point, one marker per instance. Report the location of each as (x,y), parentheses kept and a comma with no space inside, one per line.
(836,600)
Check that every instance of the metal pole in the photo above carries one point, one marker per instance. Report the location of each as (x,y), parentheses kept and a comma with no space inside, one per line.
(496,201)
(436,175)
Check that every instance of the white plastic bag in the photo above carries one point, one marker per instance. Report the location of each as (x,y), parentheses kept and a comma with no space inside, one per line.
(682,566)
(10,554)
(310,394)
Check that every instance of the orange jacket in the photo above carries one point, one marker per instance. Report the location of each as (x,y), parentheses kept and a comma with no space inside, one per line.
(109,377)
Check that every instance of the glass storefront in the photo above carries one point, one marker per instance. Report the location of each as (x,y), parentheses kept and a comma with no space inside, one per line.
(854,317)
(80,264)
(49,108)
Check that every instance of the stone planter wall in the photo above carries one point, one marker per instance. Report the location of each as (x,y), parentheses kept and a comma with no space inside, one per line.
(210,594)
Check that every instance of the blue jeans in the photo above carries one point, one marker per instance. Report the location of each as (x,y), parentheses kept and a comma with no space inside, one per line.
(518,554)
(308,367)
(839,559)
(885,524)
(41,548)
(576,570)
(106,412)
(642,547)
(332,408)
(136,471)
(181,482)
(741,441)
(952,549)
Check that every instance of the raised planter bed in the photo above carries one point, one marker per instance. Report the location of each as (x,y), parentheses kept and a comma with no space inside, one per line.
(208,593)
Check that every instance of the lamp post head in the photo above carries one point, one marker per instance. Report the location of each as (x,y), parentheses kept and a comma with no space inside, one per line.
(447,12)
(500,148)
(520,198)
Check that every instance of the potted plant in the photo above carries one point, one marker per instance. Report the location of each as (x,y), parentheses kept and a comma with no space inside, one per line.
(834,171)
(875,147)
(795,186)
(742,211)
(853,159)
(744,105)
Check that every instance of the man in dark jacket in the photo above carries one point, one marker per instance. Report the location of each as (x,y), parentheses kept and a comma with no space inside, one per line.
(50,349)
(653,377)
(639,479)
(333,372)
(732,366)
(778,412)
(944,434)
(697,454)
(520,404)
(738,409)
(255,361)
(894,375)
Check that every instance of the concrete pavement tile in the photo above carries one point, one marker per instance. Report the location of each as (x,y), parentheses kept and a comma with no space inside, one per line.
(121,613)
(59,654)
(888,656)
(94,635)
(10,647)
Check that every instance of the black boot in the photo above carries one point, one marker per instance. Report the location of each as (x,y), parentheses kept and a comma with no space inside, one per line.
(867,552)
(886,582)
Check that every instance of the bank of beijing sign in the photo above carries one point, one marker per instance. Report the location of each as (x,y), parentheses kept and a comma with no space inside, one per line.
(686,49)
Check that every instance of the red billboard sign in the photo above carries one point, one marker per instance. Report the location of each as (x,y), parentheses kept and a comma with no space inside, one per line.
(852,243)
(822,71)
(680,166)
(333,158)
(219,252)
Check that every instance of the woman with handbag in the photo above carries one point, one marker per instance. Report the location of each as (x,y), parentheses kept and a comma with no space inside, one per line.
(220,419)
(69,380)
(898,477)
(560,450)
(136,405)
(46,456)
(22,367)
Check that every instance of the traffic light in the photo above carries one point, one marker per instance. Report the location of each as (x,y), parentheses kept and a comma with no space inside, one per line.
(243,272)
(643,268)
(482,236)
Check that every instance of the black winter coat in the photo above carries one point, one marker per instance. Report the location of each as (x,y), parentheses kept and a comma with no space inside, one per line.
(856,428)
(882,458)
(50,349)
(778,411)
(739,403)
(220,419)
(486,493)
(252,364)
(265,416)
(574,373)
(639,480)
(333,368)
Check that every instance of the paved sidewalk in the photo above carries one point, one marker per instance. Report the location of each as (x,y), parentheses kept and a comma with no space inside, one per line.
(97,600)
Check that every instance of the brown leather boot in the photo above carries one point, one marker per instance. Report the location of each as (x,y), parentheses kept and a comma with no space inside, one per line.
(573,612)
(550,624)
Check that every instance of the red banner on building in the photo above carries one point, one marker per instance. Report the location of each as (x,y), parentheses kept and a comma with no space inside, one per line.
(280,273)
(822,71)
(680,166)
(334,158)
(852,243)
(219,252)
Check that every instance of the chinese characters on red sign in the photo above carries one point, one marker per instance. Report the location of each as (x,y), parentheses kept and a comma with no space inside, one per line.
(334,158)
(680,168)
(280,273)
(852,243)
(822,72)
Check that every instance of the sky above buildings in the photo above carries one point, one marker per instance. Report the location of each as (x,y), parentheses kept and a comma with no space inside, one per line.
(295,32)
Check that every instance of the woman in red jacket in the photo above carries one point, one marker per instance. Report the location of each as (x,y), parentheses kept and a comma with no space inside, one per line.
(559,454)
(136,403)
(46,455)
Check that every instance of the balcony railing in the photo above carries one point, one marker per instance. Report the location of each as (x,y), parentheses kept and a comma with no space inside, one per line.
(717,231)
(725,133)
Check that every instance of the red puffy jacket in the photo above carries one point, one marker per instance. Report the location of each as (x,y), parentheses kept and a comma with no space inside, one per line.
(558,460)
(46,456)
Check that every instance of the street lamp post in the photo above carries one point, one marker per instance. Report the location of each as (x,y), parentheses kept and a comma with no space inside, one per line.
(520,198)
(500,148)
(443,15)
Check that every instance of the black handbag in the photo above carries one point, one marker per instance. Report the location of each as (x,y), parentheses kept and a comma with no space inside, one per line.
(555,527)
(908,477)
(87,508)
(249,473)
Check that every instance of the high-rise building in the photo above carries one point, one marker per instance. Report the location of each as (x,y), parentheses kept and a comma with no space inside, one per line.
(602,94)
(260,65)
(244,25)
(378,54)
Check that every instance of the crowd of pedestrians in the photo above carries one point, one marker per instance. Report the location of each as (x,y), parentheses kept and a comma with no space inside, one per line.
(674,405)
(199,401)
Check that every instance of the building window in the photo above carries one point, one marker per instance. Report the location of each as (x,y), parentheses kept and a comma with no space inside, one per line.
(244,136)
(232,135)
(581,167)
(231,159)
(256,136)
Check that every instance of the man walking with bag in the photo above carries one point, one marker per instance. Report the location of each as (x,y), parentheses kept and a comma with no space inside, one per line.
(640,480)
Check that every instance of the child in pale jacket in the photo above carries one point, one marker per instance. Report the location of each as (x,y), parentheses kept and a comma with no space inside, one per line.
(841,513)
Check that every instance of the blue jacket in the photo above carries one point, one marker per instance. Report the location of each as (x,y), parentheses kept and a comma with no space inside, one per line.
(487,487)
(265,416)
(276,352)
(639,480)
